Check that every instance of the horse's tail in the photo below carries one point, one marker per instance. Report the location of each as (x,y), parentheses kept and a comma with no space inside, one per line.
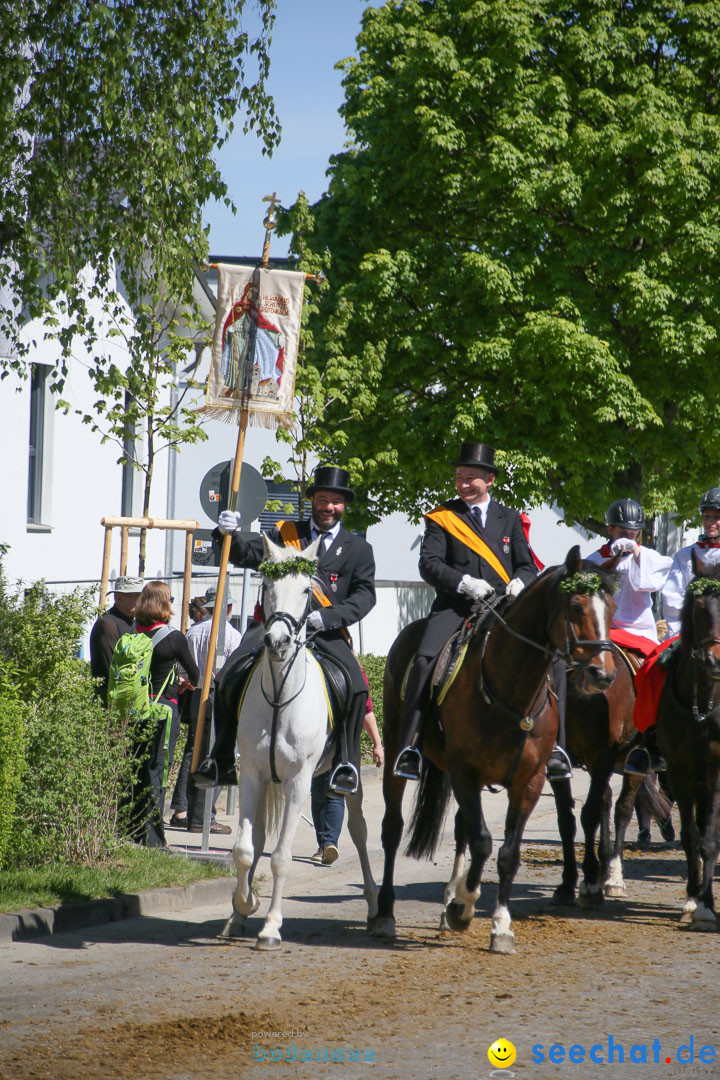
(654,800)
(429,812)
(274,807)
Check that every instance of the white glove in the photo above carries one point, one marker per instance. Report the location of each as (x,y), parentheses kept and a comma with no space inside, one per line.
(514,586)
(622,545)
(229,521)
(474,587)
(315,620)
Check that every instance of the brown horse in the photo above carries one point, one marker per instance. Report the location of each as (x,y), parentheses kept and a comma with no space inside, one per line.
(499,725)
(599,733)
(689,736)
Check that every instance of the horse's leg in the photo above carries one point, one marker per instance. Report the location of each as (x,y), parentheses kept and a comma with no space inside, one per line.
(296,791)
(357,827)
(458,867)
(605,841)
(564,805)
(383,924)
(522,799)
(614,883)
(259,835)
(251,796)
(590,893)
(703,917)
(460,911)
(690,840)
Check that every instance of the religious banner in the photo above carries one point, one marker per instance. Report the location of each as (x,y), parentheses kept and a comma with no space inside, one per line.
(257,328)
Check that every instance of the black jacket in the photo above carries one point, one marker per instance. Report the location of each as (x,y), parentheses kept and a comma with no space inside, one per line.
(104,636)
(348,565)
(444,559)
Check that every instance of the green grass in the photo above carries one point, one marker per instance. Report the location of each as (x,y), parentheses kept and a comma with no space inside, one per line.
(128,871)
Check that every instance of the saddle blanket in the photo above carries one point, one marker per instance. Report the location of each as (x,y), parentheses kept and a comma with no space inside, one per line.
(649,683)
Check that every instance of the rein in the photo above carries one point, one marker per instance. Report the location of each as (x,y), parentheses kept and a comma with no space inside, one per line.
(527,721)
(276,704)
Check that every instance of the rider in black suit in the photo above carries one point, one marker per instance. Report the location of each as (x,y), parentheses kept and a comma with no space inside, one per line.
(346,567)
(461,576)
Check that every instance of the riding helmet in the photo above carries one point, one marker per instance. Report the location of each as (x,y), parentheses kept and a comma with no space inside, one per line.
(627,513)
(710,500)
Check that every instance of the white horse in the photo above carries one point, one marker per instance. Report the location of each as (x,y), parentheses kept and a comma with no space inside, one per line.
(286,691)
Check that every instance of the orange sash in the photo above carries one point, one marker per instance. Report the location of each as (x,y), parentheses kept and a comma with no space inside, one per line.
(453,524)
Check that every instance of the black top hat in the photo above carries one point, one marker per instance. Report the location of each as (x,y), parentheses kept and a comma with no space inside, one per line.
(331,478)
(477,455)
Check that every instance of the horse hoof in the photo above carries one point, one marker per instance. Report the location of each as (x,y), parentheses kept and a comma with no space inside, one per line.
(590,897)
(614,892)
(703,926)
(233,928)
(453,914)
(383,927)
(268,944)
(444,924)
(564,896)
(502,943)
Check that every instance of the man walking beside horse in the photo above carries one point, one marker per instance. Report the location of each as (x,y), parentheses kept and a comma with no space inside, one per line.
(343,593)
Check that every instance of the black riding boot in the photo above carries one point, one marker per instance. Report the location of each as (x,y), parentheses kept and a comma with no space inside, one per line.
(559,766)
(408,763)
(646,755)
(345,776)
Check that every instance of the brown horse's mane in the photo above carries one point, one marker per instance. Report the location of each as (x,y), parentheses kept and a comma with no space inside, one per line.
(687,631)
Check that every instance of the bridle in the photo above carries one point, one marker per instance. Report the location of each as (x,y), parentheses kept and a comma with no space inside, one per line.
(295,626)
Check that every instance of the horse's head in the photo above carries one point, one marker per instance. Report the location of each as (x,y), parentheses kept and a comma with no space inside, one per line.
(580,624)
(700,626)
(287,595)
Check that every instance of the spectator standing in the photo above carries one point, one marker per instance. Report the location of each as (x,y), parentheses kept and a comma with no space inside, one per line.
(110,627)
(152,616)
(187,809)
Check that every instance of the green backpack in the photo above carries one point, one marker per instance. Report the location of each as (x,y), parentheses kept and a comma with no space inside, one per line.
(128,694)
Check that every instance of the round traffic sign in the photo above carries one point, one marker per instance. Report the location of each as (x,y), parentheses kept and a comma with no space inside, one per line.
(215,492)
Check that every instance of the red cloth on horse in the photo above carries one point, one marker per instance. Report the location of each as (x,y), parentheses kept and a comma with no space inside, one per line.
(649,682)
(525,521)
(626,640)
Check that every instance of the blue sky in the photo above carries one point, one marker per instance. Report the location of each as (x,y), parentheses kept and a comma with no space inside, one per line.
(309,38)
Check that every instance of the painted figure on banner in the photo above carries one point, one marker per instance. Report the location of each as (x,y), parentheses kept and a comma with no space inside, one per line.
(249,337)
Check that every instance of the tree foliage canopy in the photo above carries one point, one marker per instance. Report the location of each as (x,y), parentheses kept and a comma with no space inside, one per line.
(110,113)
(525,241)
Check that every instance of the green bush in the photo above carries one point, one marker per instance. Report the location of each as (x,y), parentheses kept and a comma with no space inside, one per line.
(374,667)
(73,766)
(12,758)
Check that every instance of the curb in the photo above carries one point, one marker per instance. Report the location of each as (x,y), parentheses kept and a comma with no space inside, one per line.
(27,925)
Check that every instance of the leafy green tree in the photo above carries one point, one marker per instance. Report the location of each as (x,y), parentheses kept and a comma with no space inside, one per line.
(110,114)
(525,239)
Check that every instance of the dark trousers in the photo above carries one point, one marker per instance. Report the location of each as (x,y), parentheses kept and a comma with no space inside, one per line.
(185,794)
(328,811)
(146,801)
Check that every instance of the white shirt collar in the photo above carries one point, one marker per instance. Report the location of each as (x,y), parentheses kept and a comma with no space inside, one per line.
(332,533)
(482,507)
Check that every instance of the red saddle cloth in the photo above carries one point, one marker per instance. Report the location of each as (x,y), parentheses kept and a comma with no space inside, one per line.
(649,682)
(626,640)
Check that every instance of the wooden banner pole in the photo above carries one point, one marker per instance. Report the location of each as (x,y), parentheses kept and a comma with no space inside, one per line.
(219,609)
(186,581)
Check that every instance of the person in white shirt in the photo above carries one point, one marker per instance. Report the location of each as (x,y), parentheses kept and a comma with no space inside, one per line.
(681,571)
(186,808)
(642,571)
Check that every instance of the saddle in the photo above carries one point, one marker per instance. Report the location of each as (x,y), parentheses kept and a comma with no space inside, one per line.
(236,673)
(453,652)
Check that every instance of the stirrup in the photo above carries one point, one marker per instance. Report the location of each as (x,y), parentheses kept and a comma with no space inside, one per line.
(344,779)
(559,766)
(408,764)
(637,763)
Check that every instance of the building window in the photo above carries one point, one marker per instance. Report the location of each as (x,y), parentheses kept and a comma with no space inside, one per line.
(36,455)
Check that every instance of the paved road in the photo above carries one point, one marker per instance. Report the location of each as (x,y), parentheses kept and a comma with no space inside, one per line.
(164,997)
